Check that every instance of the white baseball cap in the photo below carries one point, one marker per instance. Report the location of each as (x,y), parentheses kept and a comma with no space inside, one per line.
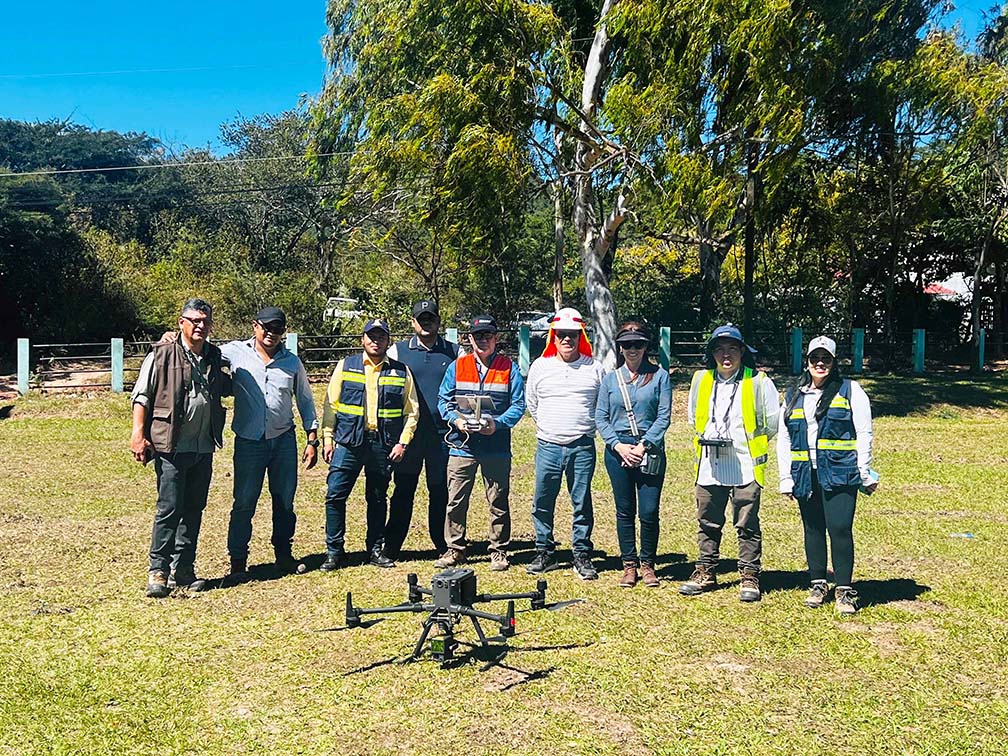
(822,342)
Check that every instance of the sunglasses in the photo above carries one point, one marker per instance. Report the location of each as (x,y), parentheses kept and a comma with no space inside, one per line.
(484,335)
(567,335)
(274,328)
(824,359)
(634,345)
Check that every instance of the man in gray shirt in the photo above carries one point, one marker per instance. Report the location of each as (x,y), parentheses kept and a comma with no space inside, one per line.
(178,422)
(267,378)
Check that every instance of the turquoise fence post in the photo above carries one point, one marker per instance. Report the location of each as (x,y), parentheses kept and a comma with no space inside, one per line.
(981,344)
(665,346)
(117,366)
(24,351)
(451,334)
(918,351)
(857,358)
(292,342)
(796,350)
(524,335)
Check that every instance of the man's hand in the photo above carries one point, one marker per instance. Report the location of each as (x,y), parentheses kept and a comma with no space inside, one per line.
(141,448)
(460,423)
(870,488)
(327,451)
(397,453)
(489,428)
(629,454)
(310,456)
(168,337)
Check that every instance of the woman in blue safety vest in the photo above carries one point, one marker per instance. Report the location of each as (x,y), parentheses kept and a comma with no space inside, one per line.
(824,453)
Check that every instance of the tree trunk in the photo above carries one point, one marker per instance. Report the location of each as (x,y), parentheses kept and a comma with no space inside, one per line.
(558,241)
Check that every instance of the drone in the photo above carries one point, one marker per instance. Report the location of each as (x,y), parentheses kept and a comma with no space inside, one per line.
(452,597)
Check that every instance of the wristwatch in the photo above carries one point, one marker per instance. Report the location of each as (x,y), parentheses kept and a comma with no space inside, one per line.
(313,442)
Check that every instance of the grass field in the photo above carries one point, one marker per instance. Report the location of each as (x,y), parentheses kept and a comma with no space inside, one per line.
(89,665)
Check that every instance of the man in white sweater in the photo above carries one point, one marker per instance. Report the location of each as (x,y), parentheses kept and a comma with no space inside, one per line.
(561,392)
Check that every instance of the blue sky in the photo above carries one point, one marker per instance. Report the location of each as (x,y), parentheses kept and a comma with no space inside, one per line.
(178,73)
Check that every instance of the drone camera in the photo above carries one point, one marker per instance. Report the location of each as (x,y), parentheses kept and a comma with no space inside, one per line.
(454,586)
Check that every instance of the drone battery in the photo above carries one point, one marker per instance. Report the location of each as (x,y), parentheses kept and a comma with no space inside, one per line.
(455,586)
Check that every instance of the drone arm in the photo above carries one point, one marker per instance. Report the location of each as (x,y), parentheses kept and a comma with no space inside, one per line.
(468,611)
(398,608)
(504,596)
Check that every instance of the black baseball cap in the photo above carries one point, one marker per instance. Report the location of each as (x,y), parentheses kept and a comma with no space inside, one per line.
(631,334)
(426,305)
(269,315)
(482,324)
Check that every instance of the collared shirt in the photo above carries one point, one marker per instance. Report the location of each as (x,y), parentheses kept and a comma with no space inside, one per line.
(264,392)
(651,404)
(411,407)
(195,434)
(732,465)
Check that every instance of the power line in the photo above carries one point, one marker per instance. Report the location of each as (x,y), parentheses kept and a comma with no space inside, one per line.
(180,164)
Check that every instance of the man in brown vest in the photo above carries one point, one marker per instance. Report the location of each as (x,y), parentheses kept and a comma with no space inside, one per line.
(178,421)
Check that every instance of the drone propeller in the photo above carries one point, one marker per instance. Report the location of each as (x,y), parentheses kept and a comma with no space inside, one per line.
(556,606)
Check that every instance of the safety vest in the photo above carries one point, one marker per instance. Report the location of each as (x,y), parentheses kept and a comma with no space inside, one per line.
(836,446)
(350,422)
(496,384)
(757,437)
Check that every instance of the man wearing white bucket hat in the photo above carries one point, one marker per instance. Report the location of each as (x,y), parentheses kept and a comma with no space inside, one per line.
(561,393)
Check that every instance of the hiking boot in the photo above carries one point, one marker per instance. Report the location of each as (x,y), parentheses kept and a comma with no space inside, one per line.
(333,561)
(378,557)
(749,586)
(846,601)
(702,579)
(157,584)
(629,579)
(817,594)
(584,568)
(647,575)
(451,558)
(186,578)
(544,561)
(498,561)
(239,571)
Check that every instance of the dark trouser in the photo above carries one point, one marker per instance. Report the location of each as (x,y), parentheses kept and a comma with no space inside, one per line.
(429,450)
(183,481)
(496,472)
(636,495)
(344,469)
(711,503)
(553,462)
(832,512)
(252,461)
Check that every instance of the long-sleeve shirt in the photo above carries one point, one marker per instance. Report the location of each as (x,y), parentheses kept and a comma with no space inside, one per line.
(561,397)
(732,465)
(411,406)
(484,445)
(265,392)
(652,407)
(861,412)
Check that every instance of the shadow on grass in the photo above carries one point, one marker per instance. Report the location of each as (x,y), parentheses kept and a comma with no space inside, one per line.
(5,411)
(899,397)
(876,592)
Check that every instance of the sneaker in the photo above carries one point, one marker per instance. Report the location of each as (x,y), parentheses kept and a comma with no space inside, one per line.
(584,568)
(451,558)
(629,579)
(846,601)
(817,594)
(498,561)
(749,586)
(333,561)
(647,575)
(702,579)
(157,584)
(544,561)
(187,579)
(239,571)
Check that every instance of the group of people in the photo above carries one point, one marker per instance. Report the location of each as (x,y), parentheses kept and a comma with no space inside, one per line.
(426,404)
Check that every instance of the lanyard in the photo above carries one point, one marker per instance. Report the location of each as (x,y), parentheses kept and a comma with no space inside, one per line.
(723,431)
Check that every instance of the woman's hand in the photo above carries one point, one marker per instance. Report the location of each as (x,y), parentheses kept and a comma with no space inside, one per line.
(629,454)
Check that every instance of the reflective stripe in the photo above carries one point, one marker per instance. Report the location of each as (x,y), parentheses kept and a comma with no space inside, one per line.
(837,444)
(391,380)
(799,456)
(758,443)
(386,413)
(798,413)
(350,409)
(353,377)
(839,402)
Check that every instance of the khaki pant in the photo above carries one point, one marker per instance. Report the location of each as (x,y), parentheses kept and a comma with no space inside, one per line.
(497,481)
(711,503)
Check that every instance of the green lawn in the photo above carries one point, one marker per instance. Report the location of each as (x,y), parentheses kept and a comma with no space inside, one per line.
(90,665)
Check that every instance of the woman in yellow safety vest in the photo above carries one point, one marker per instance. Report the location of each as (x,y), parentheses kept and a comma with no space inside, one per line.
(824,453)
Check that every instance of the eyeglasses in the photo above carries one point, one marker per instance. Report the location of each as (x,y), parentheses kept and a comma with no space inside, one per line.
(633,344)
(567,335)
(484,335)
(197,322)
(275,329)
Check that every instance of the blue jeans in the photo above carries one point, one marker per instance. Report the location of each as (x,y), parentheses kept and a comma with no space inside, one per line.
(636,495)
(252,461)
(427,449)
(346,465)
(553,462)
(183,481)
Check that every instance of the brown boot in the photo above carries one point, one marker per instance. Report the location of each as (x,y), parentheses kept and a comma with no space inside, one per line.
(629,579)
(647,575)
